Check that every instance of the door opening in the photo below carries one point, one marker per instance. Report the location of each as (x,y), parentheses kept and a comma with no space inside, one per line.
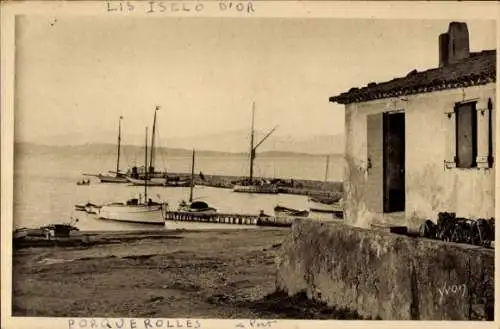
(394,162)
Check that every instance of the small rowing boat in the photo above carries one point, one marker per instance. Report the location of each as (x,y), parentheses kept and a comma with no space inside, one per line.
(281,211)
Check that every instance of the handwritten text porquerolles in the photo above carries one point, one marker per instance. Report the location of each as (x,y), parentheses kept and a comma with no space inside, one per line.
(157,323)
(151,7)
(120,323)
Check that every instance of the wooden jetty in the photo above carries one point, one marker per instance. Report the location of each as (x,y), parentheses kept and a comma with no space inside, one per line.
(228,218)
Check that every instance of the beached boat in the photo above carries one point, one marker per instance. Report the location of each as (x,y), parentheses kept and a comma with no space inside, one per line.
(46,231)
(20,233)
(281,211)
(330,205)
(143,211)
(326,205)
(195,206)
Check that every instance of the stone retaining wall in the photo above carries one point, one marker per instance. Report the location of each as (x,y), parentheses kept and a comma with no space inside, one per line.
(387,276)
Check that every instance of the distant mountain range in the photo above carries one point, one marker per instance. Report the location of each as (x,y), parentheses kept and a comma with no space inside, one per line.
(232,142)
(137,151)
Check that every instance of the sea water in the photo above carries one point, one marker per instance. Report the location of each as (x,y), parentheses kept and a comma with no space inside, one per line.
(45,189)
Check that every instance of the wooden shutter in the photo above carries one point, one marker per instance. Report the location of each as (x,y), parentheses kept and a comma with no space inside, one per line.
(374,195)
(483,134)
(450,146)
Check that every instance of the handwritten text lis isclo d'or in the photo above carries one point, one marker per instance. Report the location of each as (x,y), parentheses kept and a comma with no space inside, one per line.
(150,7)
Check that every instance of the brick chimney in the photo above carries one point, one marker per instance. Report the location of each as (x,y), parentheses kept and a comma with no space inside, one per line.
(454,45)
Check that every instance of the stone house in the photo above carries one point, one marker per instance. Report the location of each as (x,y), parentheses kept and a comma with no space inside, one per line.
(423,143)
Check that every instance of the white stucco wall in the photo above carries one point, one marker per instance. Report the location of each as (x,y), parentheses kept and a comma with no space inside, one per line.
(430,187)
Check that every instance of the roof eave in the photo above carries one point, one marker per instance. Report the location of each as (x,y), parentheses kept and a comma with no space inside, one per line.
(360,97)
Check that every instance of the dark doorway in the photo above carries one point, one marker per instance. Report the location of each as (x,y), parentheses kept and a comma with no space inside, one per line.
(394,162)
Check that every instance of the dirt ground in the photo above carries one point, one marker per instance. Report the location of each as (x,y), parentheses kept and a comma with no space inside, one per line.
(178,274)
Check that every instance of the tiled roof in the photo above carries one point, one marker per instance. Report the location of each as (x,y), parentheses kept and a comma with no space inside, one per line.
(478,68)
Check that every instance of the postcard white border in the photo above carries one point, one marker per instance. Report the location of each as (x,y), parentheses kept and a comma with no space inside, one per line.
(310,9)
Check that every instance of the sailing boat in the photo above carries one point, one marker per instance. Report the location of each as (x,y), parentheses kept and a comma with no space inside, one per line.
(143,211)
(139,178)
(118,177)
(155,178)
(195,206)
(326,204)
(251,185)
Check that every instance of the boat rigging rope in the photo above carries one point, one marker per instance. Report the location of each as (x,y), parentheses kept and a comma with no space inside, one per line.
(161,148)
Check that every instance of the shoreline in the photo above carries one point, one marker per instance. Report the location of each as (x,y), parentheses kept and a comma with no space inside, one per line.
(179,273)
(294,186)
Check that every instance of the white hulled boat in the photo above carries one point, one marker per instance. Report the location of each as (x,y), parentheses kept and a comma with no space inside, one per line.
(134,212)
(143,211)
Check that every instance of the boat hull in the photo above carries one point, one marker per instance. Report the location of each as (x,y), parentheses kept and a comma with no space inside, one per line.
(207,211)
(324,207)
(255,189)
(183,183)
(112,179)
(133,213)
(286,212)
(152,182)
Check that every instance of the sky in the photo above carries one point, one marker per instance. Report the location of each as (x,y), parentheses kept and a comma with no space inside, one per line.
(76,75)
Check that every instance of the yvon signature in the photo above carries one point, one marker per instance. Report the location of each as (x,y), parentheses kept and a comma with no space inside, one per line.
(455,290)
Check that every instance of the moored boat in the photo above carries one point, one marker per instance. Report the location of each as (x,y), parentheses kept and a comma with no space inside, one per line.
(135,212)
(328,206)
(251,185)
(200,207)
(256,187)
(177,182)
(117,176)
(281,211)
(88,207)
(149,182)
(143,211)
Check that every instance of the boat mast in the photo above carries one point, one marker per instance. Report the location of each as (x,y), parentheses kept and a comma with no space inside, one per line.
(192,179)
(252,150)
(145,171)
(119,142)
(151,158)
(327,163)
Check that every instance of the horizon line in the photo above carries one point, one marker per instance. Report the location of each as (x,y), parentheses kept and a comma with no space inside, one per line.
(178,148)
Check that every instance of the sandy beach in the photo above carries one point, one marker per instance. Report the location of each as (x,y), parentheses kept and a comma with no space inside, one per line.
(183,274)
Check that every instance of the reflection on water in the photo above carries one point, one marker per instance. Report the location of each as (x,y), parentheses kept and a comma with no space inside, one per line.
(45,191)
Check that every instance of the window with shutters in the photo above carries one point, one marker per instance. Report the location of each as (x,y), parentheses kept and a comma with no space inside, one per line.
(466,135)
